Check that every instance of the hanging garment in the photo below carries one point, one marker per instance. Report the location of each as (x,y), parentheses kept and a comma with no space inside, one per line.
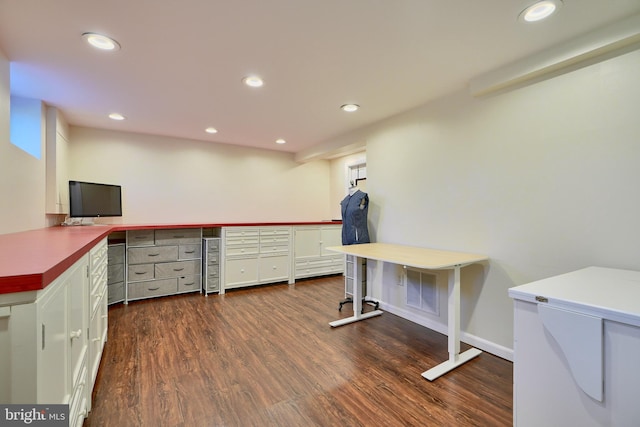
(354,218)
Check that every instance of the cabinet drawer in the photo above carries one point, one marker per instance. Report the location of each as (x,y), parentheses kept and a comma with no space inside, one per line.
(183,236)
(274,240)
(274,268)
(189,251)
(242,250)
(242,241)
(213,245)
(115,292)
(152,254)
(266,232)
(177,269)
(213,271)
(115,273)
(213,284)
(189,284)
(115,254)
(140,237)
(238,233)
(213,261)
(140,272)
(152,288)
(274,248)
(241,272)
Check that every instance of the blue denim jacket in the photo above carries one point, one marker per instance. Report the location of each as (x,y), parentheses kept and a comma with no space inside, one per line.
(354,218)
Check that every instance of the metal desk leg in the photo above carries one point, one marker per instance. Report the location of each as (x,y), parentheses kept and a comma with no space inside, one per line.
(357,301)
(455,358)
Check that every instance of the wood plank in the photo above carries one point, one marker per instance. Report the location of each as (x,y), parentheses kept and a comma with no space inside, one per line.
(266,356)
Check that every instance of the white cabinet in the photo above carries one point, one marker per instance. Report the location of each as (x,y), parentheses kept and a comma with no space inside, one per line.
(576,349)
(256,255)
(47,343)
(311,257)
(98,315)
(57,179)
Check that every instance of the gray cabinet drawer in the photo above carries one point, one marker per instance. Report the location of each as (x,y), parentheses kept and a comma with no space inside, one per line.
(140,237)
(181,236)
(115,253)
(152,288)
(115,273)
(213,284)
(177,269)
(188,284)
(213,270)
(152,254)
(140,272)
(115,292)
(213,246)
(189,251)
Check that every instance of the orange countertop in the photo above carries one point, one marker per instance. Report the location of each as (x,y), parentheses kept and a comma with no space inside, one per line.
(30,260)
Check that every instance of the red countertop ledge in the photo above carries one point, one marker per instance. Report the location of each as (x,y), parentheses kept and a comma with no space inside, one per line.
(30,260)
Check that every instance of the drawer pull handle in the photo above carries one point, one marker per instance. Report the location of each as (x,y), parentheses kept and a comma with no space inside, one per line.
(140,237)
(140,272)
(153,289)
(178,269)
(189,284)
(154,254)
(190,252)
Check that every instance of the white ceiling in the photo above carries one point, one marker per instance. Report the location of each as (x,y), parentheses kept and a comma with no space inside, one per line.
(181,63)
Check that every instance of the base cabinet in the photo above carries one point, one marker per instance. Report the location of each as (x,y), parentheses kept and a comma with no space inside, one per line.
(256,255)
(46,338)
(311,257)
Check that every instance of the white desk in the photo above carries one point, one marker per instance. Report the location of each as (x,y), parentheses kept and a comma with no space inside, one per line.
(423,258)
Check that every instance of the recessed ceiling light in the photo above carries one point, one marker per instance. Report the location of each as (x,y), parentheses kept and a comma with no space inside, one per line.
(211,130)
(253,81)
(116,116)
(280,141)
(350,108)
(101,42)
(539,10)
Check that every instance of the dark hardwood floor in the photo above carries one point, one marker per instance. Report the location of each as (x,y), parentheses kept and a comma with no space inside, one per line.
(267,356)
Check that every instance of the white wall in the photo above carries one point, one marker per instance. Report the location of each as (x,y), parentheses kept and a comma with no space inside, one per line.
(168,180)
(22,183)
(542,179)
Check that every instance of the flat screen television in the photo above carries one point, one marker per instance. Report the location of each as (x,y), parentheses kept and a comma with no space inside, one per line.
(93,200)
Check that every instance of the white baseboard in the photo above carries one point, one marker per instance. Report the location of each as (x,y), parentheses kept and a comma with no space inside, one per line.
(482,344)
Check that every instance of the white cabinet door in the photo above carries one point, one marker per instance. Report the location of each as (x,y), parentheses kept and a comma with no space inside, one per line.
(53,379)
(330,236)
(307,242)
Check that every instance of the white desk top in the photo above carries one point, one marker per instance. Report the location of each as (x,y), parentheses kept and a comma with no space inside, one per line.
(603,292)
(410,256)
